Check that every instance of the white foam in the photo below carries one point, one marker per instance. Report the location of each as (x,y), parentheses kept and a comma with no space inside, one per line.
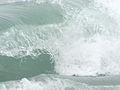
(48,84)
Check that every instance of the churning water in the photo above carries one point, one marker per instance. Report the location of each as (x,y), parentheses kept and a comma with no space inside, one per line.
(59,45)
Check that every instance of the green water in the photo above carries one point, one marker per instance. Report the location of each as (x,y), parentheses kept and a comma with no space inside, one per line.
(14,69)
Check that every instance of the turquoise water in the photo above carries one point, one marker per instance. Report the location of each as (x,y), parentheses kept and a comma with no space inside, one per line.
(14,69)
(59,45)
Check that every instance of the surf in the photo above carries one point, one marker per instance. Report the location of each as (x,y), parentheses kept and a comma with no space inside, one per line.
(59,37)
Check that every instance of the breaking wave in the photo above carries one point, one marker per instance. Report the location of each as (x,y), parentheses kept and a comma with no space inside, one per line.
(78,37)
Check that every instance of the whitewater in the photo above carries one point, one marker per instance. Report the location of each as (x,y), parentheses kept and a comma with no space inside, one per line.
(59,45)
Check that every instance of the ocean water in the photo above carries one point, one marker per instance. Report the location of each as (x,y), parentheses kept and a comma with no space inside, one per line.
(59,45)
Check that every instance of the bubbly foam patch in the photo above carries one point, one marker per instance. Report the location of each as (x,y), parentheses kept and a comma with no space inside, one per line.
(48,84)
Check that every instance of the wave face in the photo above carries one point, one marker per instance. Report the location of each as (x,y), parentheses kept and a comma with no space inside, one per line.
(63,37)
